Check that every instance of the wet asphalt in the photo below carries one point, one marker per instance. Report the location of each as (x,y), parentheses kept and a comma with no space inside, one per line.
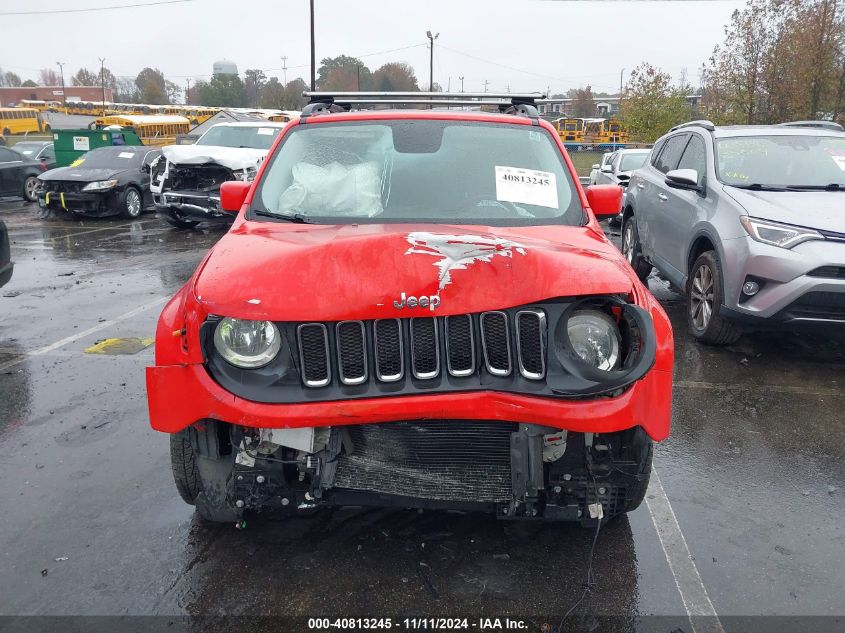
(91,523)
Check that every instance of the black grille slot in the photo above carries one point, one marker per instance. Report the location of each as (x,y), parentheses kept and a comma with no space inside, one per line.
(819,305)
(496,343)
(531,343)
(314,354)
(460,346)
(829,272)
(452,460)
(425,350)
(389,355)
(351,352)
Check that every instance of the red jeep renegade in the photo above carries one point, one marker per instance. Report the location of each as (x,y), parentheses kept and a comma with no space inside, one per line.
(414,308)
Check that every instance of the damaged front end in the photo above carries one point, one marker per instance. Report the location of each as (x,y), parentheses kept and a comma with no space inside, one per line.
(516,471)
(192,192)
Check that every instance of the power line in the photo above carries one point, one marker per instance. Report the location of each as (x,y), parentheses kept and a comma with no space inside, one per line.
(109,8)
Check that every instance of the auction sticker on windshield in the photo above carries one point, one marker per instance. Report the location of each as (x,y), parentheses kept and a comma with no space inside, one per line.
(526,186)
(840,161)
(266,131)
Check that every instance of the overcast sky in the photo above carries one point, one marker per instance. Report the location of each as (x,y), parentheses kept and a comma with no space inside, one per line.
(524,45)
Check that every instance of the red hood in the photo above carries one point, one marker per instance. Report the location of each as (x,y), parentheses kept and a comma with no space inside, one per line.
(292,272)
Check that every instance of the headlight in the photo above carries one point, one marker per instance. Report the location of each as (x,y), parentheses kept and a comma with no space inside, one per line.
(777,234)
(595,338)
(100,185)
(247,344)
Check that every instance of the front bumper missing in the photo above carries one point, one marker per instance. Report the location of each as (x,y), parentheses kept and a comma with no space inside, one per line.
(191,205)
(95,204)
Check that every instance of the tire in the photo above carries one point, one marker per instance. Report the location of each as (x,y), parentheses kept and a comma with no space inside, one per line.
(131,203)
(30,189)
(184,465)
(704,297)
(178,222)
(637,491)
(632,250)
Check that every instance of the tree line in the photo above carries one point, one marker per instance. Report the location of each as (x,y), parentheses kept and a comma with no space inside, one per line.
(780,60)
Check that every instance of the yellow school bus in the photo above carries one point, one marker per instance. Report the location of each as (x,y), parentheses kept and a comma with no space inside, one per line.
(613,132)
(570,130)
(152,129)
(22,121)
(33,104)
(200,114)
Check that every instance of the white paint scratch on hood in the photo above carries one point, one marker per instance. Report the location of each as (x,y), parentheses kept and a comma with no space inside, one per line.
(457,252)
(231,157)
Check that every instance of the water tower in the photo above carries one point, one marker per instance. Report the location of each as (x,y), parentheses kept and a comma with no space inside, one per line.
(225,67)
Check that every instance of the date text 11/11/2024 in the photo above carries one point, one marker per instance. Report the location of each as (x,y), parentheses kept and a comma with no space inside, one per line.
(418,624)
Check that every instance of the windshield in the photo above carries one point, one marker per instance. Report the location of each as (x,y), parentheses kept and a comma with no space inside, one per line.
(630,162)
(30,150)
(781,161)
(108,158)
(420,171)
(240,136)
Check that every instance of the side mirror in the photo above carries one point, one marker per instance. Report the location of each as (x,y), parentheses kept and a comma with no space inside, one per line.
(233,194)
(606,169)
(683,179)
(604,200)
(596,166)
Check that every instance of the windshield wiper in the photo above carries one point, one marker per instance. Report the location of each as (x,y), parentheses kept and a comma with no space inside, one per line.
(296,218)
(758,187)
(834,186)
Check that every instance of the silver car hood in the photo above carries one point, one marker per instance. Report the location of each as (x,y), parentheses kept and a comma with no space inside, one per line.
(823,210)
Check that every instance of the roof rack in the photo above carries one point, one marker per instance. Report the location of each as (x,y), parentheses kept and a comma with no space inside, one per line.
(707,125)
(522,104)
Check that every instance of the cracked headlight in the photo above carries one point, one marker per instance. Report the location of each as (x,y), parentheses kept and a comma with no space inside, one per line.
(247,344)
(595,338)
(100,185)
(777,234)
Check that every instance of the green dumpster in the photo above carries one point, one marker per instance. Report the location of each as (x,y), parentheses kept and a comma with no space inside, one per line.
(71,144)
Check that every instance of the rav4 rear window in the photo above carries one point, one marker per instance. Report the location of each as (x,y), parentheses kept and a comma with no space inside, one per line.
(420,171)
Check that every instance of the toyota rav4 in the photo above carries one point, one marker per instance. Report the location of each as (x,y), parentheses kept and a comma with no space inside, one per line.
(414,308)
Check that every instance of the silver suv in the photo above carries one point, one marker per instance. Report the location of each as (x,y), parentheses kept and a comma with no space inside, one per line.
(748,220)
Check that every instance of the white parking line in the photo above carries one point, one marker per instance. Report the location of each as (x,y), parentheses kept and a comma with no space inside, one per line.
(80,335)
(701,612)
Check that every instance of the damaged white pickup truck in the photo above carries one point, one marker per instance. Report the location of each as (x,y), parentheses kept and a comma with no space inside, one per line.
(185,181)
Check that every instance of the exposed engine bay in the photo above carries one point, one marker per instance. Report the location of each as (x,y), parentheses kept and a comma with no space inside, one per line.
(517,471)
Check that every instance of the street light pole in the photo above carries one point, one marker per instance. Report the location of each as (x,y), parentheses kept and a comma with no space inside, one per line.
(61,66)
(103,81)
(313,56)
(285,68)
(462,83)
(431,39)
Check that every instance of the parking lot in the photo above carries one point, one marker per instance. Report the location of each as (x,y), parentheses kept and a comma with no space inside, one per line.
(744,517)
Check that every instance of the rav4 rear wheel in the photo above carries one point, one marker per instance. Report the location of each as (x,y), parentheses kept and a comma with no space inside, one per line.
(705,296)
(632,250)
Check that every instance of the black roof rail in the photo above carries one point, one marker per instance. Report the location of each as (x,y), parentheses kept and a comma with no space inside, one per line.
(827,125)
(707,125)
(522,104)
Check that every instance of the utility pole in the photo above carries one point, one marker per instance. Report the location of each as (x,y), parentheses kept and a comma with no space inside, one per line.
(313,56)
(462,83)
(187,90)
(103,81)
(285,68)
(64,96)
(431,39)
(358,69)
(486,83)
(508,88)
(619,105)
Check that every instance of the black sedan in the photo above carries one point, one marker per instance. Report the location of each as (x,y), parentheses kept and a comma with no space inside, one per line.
(42,151)
(18,174)
(105,181)
(6,264)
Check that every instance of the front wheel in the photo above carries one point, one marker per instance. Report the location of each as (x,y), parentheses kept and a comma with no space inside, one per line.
(705,296)
(632,249)
(30,188)
(184,465)
(131,204)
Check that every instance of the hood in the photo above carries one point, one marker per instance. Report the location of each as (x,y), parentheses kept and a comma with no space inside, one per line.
(824,210)
(81,174)
(231,157)
(290,272)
